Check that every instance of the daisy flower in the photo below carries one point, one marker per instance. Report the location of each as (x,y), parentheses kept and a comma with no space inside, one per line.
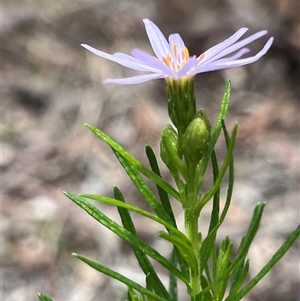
(172,59)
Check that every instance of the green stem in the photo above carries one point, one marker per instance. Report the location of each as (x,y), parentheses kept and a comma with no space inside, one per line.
(191,228)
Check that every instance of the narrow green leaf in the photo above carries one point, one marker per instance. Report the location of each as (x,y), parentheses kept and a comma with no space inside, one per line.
(169,227)
(44,297)
(125,234)
(223,263)
(150,285)
(210,249)
(142,258)
(117,203)
(206,296)
(224,256)
(207,269)
(173,289)
(202,166)
(132,296)
(208,245)
(113,274)
(136,163)
(163,195)
(144,189)
(231,178)
(276,257)
(252,230)
(184,248)
(245,243)
(216,200)
(164,199)
(222,172)
(239,276)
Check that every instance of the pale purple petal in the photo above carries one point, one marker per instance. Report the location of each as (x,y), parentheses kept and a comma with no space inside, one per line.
(121,58)
(157,40)
(211,52)
(99,53)
(143,65)
(190,64)
(149,60)
(177,40)
(130,62)
(172,57)
(221,64)
(236,56)
(237,46)
(248,60)
(133,80)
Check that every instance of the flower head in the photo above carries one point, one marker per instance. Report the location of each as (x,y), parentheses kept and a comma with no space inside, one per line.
(172,59)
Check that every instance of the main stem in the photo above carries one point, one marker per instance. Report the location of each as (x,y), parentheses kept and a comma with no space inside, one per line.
(191,228)
(182,111)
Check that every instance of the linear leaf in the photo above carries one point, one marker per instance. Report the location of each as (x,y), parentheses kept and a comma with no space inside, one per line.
(222,172)
(113,274)
(164,199)
(125,234)
(252,230)
(132,296)
(173,289)
(209,241)
(130,207)
(169,227)
(44,297)
(223,262)
(141,185)
(184,248)
(206,296)
(141,257)
(209,249)
(245,244)
(202,166)
(239,276)
(276,257)
(163,195)
(136,163)
(231,178)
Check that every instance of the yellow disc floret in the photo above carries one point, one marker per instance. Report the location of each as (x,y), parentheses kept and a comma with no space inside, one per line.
(177,60)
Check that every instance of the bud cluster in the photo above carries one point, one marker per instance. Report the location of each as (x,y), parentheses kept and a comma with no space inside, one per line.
(182,148)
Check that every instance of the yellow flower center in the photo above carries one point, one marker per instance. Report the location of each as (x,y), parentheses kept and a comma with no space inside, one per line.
(178,60)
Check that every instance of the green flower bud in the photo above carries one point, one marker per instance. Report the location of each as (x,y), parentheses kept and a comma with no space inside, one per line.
(181,102)
(196,138)
(170,152)
(201,114)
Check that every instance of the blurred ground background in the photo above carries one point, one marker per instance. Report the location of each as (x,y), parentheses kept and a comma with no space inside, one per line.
(51,86)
